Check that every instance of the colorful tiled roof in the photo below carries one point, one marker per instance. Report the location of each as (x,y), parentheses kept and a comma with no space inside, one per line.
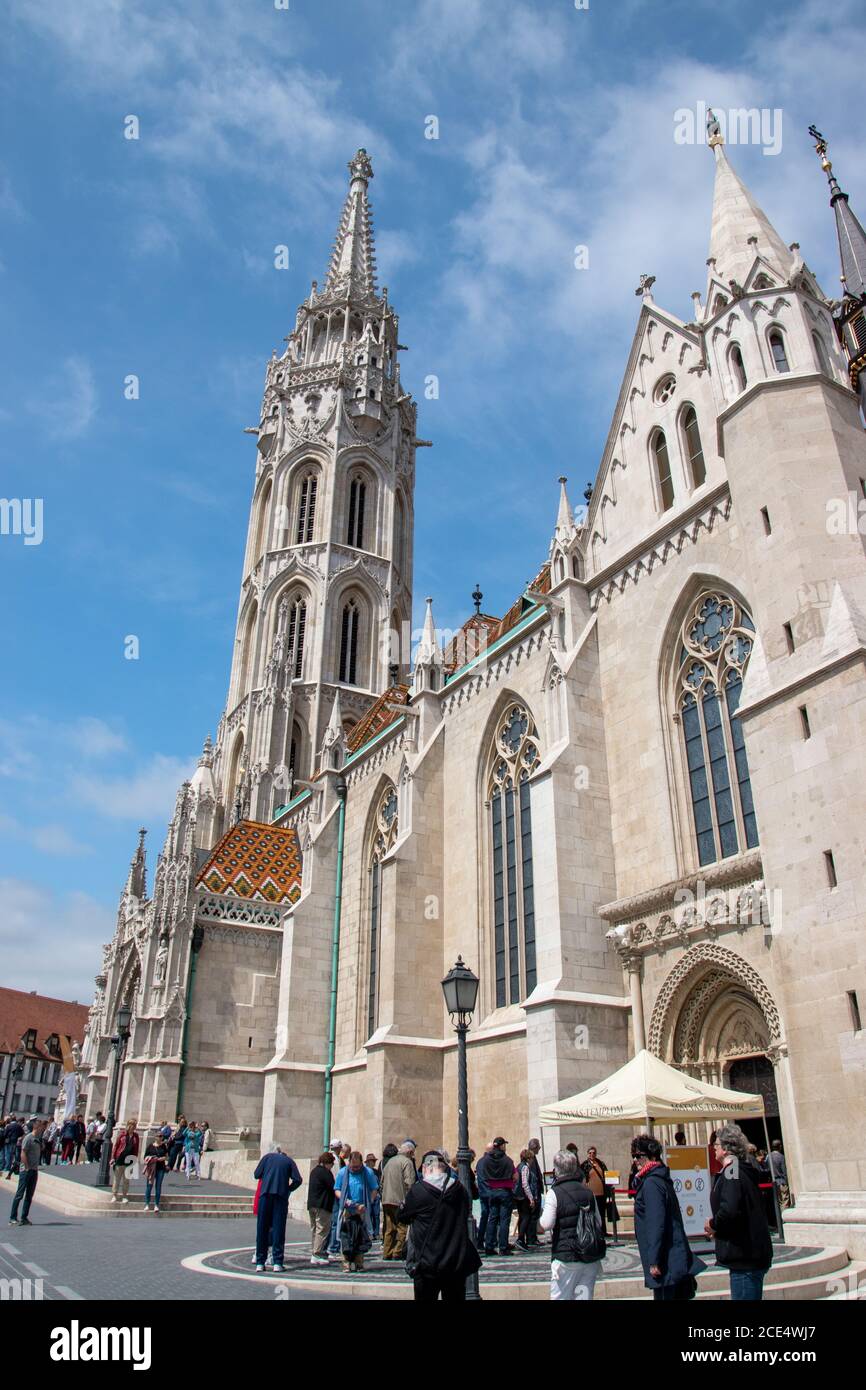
(378,716)
(475,634)
(254,860)
(20,1011)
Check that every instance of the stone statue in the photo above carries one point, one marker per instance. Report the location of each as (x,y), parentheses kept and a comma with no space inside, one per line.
(161,962)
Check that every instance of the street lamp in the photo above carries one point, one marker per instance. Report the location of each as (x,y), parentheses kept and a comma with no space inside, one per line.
(123,1019)
(16,1068)
(460,988)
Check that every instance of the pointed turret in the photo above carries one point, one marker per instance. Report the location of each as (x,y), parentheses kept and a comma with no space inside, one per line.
(564,521)
(333,745)
(850,317)
(428,657)
(352,271)
(136,882)
(741,230)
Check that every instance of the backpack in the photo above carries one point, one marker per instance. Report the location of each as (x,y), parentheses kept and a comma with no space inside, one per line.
(588,1243)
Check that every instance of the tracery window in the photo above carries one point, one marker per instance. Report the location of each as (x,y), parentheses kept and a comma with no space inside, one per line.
(716,641)
(694,448)
(777,347)
(738,368)
(664,480)
(306,526)
(349,643)
(516,755)
(357,501)
(385,834)
(296,631)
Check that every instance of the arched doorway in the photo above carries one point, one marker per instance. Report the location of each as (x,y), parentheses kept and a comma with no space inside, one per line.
(715,1019)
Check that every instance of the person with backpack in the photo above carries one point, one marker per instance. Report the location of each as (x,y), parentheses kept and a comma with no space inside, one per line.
(577,1245)
(355,1189)
(123,1156)
(669,1264)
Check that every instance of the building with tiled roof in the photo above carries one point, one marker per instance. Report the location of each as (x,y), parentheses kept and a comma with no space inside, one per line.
(31,1052)
(633,804)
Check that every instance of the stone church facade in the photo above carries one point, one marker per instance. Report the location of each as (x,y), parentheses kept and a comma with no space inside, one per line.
(634,804)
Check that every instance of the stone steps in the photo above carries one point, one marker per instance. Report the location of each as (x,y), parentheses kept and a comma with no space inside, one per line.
(75,1199)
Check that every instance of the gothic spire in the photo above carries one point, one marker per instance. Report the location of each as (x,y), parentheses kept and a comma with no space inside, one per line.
(352,271)
(852,238)
(740,228)
(564,520)
(136,883)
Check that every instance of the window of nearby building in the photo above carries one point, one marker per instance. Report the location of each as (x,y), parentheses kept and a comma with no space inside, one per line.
(665,389)
(694,448)
(664,481)
(385,833)
(777,347)
(716,641)
(513,889)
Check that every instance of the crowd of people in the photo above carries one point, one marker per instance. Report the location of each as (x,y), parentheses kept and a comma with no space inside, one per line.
(177,1147)
(421,1210)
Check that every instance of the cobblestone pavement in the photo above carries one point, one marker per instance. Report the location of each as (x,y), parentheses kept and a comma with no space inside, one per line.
(99,1257)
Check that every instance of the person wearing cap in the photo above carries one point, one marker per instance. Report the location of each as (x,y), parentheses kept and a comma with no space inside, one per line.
(398,1178)
(495,1173)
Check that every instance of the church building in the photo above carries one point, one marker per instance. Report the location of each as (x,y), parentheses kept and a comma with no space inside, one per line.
(634,803)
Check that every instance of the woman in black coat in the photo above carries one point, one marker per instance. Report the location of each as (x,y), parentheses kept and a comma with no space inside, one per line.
(739,1221)
(669,1263)
(441,1256)
(320,1205)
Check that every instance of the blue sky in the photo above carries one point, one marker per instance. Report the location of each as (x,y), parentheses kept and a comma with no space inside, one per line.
(155,257)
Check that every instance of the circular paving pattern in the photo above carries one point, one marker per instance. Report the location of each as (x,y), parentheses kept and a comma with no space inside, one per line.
(523,1267)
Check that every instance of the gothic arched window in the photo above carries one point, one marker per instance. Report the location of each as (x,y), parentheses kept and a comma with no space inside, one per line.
(662,463)
(295,633)
(357,500)
(693,447)
(821,354)
(349,626)
(777,347)
(738,368)
(306,524)
(384,835)
(716,640)
(515,756)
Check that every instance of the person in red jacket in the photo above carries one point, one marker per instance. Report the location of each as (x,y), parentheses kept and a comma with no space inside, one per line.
(123,1155)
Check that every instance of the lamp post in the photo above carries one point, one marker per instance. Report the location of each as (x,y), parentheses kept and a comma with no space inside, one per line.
(118,1043)
(460,988)
(16,1067)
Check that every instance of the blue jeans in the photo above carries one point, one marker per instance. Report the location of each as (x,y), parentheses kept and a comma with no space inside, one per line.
(497,1220)
(6,1152)
(158,1180)
(482,1220)
(747,1285)
(375,1214)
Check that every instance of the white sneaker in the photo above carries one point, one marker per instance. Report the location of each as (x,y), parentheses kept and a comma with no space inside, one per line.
(260,1269)
(114,1199)
(126,1201)
(279,1269)
(156,1208)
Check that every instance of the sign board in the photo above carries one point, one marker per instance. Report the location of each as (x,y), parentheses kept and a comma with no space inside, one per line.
(611,1177)
(690,1174)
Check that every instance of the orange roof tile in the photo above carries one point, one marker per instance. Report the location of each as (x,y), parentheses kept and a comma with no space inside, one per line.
(378,716)
(254,860)
(475,634)
(20,1011)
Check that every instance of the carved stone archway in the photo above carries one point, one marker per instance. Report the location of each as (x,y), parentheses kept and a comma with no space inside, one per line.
(711,990)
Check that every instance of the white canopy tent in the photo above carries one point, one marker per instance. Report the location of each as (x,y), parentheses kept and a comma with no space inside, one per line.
(647,1090)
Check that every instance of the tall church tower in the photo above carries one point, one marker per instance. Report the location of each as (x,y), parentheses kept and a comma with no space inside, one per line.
(326,594)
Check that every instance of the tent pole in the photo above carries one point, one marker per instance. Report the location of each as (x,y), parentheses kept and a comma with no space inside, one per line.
(777,1205)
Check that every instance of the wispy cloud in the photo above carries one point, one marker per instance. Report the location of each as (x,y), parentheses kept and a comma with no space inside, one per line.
(33,921)
(67,401)
(145,792)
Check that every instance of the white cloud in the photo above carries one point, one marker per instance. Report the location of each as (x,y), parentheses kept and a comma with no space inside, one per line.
(51,942)
(67,401)
(51,838)
(143,793)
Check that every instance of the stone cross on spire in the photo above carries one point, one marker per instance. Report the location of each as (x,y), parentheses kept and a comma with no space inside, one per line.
(352,270)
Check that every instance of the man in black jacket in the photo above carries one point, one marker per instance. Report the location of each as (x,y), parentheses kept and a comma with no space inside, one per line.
(495,1175)
(739,1221)
(441,1255)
